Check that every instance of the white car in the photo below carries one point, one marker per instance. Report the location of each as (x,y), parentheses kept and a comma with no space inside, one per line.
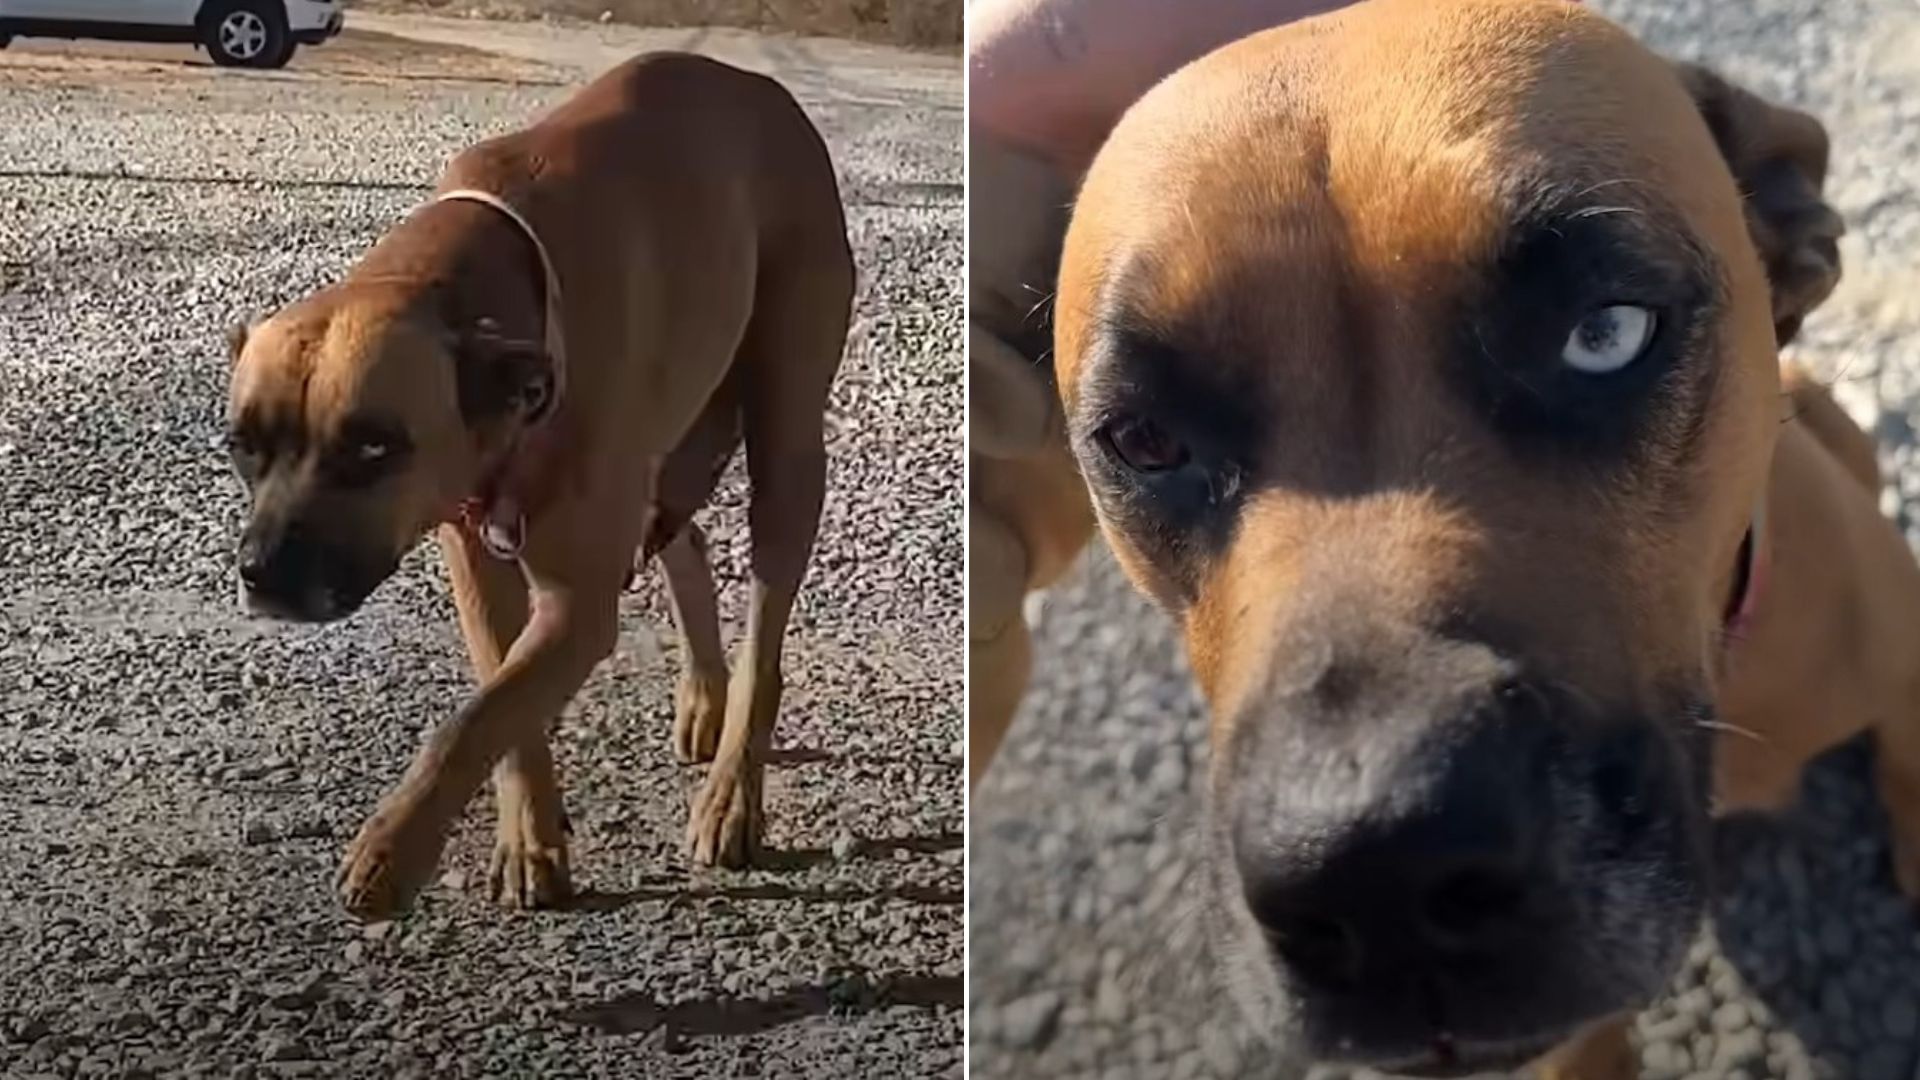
(236,33)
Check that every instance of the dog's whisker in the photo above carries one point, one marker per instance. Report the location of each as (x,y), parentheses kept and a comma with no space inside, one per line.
(1599,211)
(1618,181)
(1044,300)
(1733,729)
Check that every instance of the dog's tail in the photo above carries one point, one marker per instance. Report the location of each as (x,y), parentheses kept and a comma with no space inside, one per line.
(1811,405)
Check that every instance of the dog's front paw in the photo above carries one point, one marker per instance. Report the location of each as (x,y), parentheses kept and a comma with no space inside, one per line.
(529,870)
(699,712)
(727,819)
(389,862)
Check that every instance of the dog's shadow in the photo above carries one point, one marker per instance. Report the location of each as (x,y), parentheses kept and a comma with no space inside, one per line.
(1811,927)
(796,860)
(841,994)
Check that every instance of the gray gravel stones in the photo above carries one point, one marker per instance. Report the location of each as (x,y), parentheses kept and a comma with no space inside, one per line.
(1029,1022)
(1081,850)
(176,781)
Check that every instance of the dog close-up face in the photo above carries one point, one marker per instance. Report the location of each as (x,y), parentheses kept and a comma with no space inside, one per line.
(1421,359)
(358,421)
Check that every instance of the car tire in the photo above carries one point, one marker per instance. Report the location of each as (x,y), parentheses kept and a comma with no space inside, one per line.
(246,33)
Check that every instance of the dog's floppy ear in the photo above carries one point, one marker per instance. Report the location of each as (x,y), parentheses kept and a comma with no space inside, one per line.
(1778,156)
(237,339)
(501,376)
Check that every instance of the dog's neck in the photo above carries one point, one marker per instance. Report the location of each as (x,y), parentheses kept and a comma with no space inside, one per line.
(476,265)
(476,269)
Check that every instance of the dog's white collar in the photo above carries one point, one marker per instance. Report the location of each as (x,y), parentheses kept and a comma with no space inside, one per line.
(555,334)
(499,518)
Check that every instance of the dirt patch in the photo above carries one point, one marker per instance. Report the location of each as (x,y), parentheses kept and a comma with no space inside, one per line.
(921,23)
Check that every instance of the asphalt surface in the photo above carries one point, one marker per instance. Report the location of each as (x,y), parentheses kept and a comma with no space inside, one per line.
(1086,957)
(177,781)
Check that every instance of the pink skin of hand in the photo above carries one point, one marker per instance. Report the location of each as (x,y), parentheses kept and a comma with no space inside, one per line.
(1051,77)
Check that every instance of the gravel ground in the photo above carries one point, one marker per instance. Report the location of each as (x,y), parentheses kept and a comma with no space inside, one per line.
(1086,958)
(176,781)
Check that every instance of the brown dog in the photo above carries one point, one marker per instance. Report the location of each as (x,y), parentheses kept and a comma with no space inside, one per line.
(1421,360)
(552,363)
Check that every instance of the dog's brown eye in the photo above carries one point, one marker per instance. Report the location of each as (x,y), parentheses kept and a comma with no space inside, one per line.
(1144,446)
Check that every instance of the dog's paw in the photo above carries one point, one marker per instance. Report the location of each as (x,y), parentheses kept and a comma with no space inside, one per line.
(388,863)
(528,873)
(727,819)
(699,712)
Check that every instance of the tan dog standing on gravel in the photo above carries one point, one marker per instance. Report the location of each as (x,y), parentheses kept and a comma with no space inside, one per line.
(1422,361)
(551,363)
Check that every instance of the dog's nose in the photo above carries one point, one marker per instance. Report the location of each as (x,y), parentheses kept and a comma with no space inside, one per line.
(277,565)
(1426,858)
(252,562)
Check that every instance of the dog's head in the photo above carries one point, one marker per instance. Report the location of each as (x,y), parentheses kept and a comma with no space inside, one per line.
(1421,359)
(358,419)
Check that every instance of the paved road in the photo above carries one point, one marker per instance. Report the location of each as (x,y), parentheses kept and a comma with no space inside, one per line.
(176,781)
(1087,959)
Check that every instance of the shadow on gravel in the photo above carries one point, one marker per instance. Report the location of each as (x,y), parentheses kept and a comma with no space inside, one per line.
(930,895)
(849,994)
(1811,922)
(787,757)
(807,858)
(214,181)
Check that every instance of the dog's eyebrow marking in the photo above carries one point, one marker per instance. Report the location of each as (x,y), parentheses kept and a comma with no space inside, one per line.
(371,427)
(1562,256)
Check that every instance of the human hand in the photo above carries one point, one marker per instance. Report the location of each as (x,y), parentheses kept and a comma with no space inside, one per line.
(1053,76)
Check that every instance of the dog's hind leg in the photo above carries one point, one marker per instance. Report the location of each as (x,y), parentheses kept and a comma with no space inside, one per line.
(529,867)
(687,480)
(791,352)
(700,698)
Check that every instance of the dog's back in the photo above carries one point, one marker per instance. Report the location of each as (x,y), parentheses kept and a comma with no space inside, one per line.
(681,130)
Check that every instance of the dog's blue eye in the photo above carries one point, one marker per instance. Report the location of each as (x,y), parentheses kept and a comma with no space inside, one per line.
(1609,339)
(360,460)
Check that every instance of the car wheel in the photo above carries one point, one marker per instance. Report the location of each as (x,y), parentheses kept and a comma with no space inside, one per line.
(247,33)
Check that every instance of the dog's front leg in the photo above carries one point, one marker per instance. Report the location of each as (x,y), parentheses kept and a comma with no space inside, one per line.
(1603,1051)
(529,868)
(572,627)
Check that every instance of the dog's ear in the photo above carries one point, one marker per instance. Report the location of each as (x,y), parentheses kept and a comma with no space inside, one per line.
(501,376)
(236,339)
(1778,156)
